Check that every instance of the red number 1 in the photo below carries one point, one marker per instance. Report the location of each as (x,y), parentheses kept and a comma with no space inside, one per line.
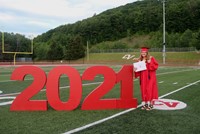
(125,77)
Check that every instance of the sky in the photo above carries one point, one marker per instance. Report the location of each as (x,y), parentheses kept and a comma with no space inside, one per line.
(34,17)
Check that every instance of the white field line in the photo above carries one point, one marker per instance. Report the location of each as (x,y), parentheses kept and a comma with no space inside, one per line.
(82,68)
(179,89)
(176,71)
(89,83)
(102,77)
(123,112)
(175,83)
(25,79)
(161,82)
(11,94)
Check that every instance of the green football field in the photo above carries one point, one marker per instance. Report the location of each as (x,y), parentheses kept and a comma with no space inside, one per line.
(184,80)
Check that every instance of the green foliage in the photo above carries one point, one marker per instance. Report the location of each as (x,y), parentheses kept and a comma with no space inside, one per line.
(14,43)
(74,49)
(141,16)
(55,51)
(59,47)
(186,39)
(153,40)
(40,51)
(198,40)
(110,45)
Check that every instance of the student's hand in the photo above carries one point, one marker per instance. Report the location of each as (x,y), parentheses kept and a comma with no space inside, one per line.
(148,61)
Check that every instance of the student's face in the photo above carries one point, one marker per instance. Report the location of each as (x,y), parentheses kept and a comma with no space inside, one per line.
(144,54)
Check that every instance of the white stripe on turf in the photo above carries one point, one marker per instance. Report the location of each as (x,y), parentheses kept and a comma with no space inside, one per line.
(85,84)
(123,112)
(80,74)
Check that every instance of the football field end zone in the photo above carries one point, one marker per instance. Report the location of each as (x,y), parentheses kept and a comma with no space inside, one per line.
(124,112)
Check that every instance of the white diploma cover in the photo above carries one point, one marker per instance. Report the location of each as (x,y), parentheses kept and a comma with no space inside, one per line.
(140,66)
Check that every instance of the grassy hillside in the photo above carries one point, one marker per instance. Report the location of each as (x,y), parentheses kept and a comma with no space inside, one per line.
(172,58)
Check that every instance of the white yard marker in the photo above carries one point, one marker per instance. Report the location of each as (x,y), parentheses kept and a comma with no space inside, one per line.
(161,82)
(175,83)
(124,112)
(128,56)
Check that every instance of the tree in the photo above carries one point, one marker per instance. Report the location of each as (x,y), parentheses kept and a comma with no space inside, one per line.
(74,49)
(40,51)
(198,41)
(186,38)
(15,43)
(55,51)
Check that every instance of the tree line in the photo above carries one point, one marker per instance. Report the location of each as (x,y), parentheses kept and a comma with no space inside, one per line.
(141,17)
(13,43)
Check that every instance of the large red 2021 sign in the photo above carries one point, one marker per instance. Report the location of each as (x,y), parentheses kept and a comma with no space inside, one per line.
(92,102)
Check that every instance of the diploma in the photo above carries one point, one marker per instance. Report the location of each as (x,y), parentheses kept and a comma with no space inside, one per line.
(140,66)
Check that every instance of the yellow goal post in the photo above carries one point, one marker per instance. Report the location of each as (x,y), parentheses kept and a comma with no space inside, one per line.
(15,53)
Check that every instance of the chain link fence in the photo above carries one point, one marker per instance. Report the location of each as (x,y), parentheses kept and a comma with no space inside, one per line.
(175,49)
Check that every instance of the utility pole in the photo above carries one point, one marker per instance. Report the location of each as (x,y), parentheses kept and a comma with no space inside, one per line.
(164,43)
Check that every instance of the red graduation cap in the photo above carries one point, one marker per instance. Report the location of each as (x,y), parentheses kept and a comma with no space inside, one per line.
(144,49)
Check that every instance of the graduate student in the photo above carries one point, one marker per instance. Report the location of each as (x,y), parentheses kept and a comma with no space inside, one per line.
(148,82)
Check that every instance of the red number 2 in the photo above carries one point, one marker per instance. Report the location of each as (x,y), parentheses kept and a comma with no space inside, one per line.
(22,101)
(125,76)
(93,100)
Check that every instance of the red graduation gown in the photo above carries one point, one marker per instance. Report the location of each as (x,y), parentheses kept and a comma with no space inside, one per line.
(148,81)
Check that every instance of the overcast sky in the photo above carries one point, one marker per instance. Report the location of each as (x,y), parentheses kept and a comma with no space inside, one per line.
(34,17)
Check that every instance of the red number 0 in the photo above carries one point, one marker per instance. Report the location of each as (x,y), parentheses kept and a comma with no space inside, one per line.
(53,88)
